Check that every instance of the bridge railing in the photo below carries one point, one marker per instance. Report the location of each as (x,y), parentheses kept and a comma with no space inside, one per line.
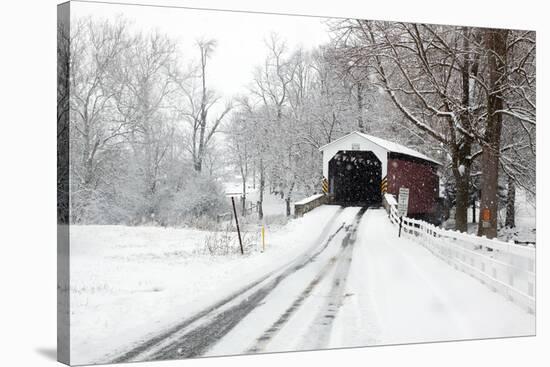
(305,205)
(505,267)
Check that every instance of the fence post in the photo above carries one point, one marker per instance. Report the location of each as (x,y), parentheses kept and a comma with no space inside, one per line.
(400,225)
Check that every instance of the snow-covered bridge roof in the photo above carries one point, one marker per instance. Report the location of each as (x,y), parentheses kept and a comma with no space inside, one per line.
(384,144)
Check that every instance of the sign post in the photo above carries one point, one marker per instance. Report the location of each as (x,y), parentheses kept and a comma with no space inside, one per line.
(402,205)
(237,224)
(263,238)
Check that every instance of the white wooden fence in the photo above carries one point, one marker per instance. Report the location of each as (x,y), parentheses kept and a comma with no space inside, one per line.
(505,267)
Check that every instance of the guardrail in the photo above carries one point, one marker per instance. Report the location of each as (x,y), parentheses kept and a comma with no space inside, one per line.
(505,267)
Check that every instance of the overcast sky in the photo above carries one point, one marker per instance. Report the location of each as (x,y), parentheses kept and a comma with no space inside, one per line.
(241,36)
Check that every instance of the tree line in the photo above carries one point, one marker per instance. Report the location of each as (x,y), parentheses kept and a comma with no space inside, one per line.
(463,95)
(472,90)
(150,140)
(140,123)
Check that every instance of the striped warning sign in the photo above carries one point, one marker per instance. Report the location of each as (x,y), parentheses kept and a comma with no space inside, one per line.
(324,185)
(384,185)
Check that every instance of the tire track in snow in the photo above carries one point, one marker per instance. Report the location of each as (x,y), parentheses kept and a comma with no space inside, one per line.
(321,328)
(319,333)
(195,335)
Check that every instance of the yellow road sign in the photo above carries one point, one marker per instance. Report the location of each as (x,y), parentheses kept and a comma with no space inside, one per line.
(384,185)
(324,185)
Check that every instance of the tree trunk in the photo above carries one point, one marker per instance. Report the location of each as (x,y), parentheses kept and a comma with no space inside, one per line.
(511,204)
(243,196)
(473,209)
(200,154)
(360,123)
(254,175)
(203,111)
(288,198)
(495,40)
(462,200)
(463,149)
(262,187)
(461,172)
(287,201)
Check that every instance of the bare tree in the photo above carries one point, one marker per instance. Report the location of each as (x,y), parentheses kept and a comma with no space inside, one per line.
(511,114)
(96,48)
(427,72)
(286,82)
(451,84)
(495,41)
(240,149)
(200,100)
(63,119)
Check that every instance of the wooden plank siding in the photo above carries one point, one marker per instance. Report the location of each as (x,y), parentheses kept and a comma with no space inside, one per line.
(419,176)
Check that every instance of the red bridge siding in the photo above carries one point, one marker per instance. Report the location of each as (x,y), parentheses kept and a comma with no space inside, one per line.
(420,178)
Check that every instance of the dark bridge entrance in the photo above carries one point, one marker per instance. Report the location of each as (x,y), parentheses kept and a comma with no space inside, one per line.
(354,178)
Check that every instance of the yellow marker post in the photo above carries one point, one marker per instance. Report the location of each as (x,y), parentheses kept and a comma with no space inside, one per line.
(263,238)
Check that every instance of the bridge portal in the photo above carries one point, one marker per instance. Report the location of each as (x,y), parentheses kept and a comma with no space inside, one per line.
(355,178)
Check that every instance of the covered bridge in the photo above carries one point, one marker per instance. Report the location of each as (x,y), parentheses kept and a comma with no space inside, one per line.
(359,168)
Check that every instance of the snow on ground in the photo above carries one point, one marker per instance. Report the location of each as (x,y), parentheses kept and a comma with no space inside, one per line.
(246,333)
(401,293)
(525,230)
(129,283)
(525,220)
(396,292)
(274,206)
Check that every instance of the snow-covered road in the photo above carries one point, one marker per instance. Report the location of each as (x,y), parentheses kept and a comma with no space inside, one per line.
(357,285)
(197,335)
(402,293)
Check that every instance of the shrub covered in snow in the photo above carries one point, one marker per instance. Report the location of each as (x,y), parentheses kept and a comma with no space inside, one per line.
(195,201)
(226,242)
(200,199)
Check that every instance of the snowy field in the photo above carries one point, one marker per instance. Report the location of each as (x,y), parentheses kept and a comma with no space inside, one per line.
(132,283)
(128,283)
